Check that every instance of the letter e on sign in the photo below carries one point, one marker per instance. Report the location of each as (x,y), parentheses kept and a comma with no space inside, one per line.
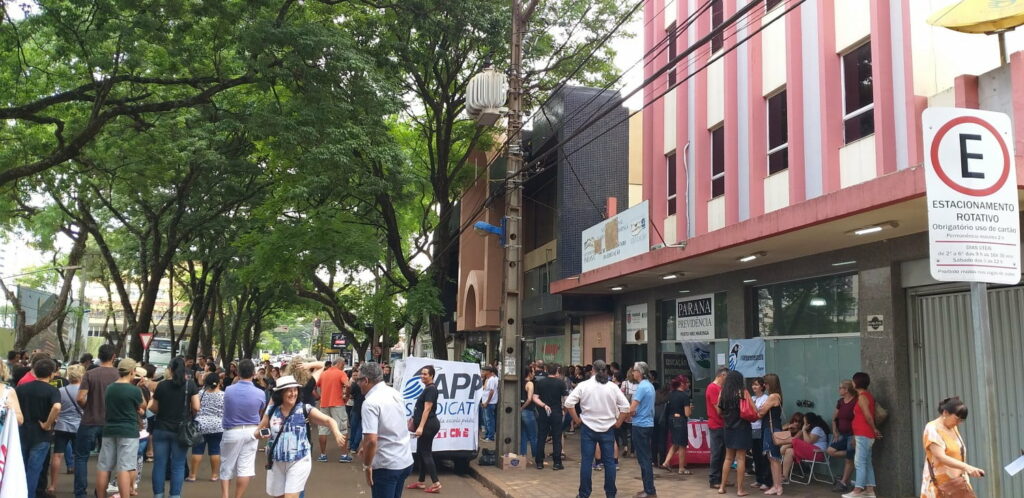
(973,220)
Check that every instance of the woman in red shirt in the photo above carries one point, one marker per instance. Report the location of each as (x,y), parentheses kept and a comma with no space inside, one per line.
(864,433)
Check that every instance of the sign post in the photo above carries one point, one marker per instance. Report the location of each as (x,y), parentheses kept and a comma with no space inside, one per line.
(974,231)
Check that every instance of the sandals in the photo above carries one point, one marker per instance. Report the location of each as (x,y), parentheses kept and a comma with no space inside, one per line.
(416,485)
(434,488)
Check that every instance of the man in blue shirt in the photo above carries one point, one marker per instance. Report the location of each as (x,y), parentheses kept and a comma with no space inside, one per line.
(642,411)
(244,404)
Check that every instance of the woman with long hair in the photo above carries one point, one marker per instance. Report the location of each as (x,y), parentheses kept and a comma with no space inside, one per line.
(288,452)
(528,412)
(737,430)
(425,425)
(210,418)
(677,415)
(945,454)
(306,374)
(842,434)
(175,400)
(813,436)
(771,421)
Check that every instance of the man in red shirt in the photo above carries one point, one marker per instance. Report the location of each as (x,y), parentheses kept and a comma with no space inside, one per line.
(716,428)
(333,383)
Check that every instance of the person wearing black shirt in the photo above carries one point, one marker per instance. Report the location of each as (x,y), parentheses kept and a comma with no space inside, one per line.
(174,402)
(355,426)
(425,424)
(547,397)
(40,404)
(677,413)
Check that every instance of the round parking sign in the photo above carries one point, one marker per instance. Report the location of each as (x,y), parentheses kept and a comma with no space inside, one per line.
(954,161)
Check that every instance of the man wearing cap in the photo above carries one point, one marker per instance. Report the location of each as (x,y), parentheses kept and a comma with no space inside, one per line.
(120,448)
(244,404)
(385,451)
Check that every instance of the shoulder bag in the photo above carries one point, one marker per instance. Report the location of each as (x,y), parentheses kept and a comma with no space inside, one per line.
(747,411)
(188,432)
(779,438)
(956,487)
(284,422)
(74,402)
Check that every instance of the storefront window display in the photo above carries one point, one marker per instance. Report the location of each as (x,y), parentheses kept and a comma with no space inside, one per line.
(824,305)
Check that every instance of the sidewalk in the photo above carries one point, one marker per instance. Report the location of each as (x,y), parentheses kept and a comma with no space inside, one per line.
(547,483)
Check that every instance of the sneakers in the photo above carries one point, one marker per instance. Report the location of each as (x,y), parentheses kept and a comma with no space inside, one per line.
(598,466)
(617,464)
(321,458)
(841,487)
(345,459)
(862,494)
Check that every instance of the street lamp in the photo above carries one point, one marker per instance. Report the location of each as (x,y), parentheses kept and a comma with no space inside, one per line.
(483,228)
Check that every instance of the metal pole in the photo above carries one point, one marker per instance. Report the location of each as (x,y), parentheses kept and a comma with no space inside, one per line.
(511,332)
(985,375)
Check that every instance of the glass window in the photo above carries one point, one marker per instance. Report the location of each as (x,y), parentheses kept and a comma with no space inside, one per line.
(717,18)
(670,166)
(825,305)
(537,280)
(778,134)
(858,94)
(718,162)
(671,35)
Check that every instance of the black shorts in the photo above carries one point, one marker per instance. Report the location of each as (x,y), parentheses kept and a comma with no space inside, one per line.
(61,440)
(680,434)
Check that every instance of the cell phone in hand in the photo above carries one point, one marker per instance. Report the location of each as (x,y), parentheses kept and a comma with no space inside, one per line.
(265,432)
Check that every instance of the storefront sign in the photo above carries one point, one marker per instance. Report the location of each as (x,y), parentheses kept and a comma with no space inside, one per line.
(973,221)
(577,352)
(746,356)
(458,387)
(673,364)
(617,238)
(636,324)
(695,318)
(550,349)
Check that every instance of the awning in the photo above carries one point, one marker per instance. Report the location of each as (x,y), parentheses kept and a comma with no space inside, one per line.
(980,16)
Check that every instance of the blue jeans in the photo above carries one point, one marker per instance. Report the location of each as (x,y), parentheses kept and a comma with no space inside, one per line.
(865,475)
(490,417)
(85,441)
(167,449)
(388,483)
(35,457)
(642,447)
(355,428)
(528,432)
(589,440)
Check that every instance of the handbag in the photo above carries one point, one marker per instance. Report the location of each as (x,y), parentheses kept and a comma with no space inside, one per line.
(956,487)
(779,438)
(188,432)
(747,411)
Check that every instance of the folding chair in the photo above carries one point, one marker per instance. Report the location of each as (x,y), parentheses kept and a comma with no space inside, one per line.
(813,464)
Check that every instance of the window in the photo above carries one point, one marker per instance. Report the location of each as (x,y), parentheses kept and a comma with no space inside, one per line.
(718,162)
(670,179)
(825,305)
(672,54)
(717,17)
(858,96)
(771,4)
(778,134)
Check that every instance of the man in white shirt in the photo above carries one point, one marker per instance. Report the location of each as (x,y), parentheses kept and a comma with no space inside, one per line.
(385,451)
(489,403)
(604,409)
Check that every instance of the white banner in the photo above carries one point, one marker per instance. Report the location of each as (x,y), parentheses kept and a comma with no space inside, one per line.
(12,466)
(698,357)
(746,356)
(636,324)
(695,318)
(620,237)
(458,387)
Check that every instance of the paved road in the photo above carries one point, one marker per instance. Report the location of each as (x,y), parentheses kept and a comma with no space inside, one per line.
(327,479)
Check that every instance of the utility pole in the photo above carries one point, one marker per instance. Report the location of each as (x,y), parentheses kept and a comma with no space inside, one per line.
(512,330)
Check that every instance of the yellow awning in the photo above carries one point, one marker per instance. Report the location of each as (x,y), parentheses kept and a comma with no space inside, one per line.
(980,16)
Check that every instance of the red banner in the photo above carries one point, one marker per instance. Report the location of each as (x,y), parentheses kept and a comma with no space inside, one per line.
(698,450)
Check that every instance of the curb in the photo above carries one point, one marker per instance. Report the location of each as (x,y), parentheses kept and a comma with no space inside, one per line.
(489,484)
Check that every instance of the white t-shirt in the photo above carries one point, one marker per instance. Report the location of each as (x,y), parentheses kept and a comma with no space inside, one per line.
(491,386)
(600,403)
(759,401)
(384,415)
(822,442)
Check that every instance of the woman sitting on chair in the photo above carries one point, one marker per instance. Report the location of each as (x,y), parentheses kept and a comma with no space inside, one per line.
(812,437)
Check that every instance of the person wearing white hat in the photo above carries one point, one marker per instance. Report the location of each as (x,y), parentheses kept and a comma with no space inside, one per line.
(288,453)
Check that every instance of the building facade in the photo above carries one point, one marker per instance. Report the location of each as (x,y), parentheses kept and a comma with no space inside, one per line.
(782,169)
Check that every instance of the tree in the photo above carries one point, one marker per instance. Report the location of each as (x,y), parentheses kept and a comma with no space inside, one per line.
(295,346)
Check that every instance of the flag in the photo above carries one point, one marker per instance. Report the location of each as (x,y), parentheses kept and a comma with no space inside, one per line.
(12,466)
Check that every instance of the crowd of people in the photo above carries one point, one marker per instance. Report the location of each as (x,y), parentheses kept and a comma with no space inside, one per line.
(625,411)
(127,414)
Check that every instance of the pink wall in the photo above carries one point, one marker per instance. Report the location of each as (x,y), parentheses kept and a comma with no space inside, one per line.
(480,262)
